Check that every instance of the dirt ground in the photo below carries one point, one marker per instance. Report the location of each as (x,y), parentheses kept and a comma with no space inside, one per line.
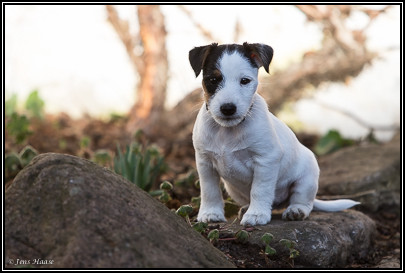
(84,137)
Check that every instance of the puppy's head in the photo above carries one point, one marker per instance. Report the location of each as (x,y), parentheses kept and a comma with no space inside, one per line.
(230,77)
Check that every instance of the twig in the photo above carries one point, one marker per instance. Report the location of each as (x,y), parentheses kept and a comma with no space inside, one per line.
(359,120)
(122,29)
(207,34)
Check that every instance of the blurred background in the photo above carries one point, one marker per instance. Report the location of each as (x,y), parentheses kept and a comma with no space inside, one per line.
(113,84)
(76,60)
(81,78)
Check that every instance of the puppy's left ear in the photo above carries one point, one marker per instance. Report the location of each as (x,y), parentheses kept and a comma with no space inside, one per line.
(261,54)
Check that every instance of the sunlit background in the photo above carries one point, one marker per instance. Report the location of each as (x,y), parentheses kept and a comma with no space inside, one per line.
(74,58)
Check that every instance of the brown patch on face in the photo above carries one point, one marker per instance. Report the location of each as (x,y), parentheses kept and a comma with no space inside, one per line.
(206,95)
(211,82)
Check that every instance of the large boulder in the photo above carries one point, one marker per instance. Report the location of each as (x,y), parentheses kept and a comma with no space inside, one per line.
(65,212)
(370,174)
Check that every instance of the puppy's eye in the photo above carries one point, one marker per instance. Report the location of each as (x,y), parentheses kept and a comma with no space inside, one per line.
(215,80)
(245,81)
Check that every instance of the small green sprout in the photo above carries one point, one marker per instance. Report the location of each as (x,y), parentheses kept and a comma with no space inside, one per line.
(196,201)
(18,126)
(269,250)
(164,197)
(184,210)
(27,154)
(213,235)
(200,226)
(291,247)
(166,185)
(242,236)
(267,238)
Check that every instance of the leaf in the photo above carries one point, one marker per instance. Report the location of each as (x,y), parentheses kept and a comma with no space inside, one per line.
(166,185)
(200,226)
(140,166)
(18,127)
(213,235)
(35,105)
(269,250)
(164,197)
(331,142)
(288,243)
(267,238)
(294,253)
(12,164)
(184,210)
(196,201)
(27,154)
(242,236)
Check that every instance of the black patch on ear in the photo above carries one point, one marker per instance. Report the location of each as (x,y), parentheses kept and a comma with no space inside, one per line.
(259,54)
(198,55)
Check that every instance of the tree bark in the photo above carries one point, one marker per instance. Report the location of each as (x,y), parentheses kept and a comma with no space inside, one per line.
(152,65)
(152,89)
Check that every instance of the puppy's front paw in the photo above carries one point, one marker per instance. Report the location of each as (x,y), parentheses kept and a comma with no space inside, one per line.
(211,216)
(296,212)
(255,218)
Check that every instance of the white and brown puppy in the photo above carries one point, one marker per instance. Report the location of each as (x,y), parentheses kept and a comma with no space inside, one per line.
(236,138)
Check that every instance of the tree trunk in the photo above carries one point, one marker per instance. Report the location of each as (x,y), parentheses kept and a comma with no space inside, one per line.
(151,65)
(152,86)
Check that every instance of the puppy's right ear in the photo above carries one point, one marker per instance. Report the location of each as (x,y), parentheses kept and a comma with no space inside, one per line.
(198,55)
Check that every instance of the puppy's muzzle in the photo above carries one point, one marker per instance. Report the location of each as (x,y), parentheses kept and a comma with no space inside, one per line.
(228,109)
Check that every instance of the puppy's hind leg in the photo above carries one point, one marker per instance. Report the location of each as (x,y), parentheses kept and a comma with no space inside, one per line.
(302,195)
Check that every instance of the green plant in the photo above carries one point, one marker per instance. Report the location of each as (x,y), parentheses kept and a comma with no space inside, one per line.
(196,201)
(184,211)
(165,188)
(267,238)
(13,162)
(242,236)
(140,165)
(102,157)
(35,105)
(213,235)
(18,126)
(10,105)
(291,247)
(200,227)
(27,154)
(85,142)
(331,142)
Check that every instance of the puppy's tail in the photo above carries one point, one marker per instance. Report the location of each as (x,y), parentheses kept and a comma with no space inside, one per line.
(334,205)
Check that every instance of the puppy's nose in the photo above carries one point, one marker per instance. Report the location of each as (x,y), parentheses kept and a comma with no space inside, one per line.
(228,109)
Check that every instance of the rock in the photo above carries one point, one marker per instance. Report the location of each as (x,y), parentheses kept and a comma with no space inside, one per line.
(324,240)
(370,174)
(389,262)
(65,212)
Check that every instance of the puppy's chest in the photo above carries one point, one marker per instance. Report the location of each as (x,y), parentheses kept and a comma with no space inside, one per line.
(231,157)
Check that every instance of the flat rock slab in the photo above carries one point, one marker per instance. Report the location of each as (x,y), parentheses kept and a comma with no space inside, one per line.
(324,240)
(65,212)
(370,174)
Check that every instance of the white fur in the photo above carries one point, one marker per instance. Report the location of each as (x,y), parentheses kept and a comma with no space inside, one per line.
(259,159)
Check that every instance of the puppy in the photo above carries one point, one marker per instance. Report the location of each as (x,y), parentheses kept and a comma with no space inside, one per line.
(237,139)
